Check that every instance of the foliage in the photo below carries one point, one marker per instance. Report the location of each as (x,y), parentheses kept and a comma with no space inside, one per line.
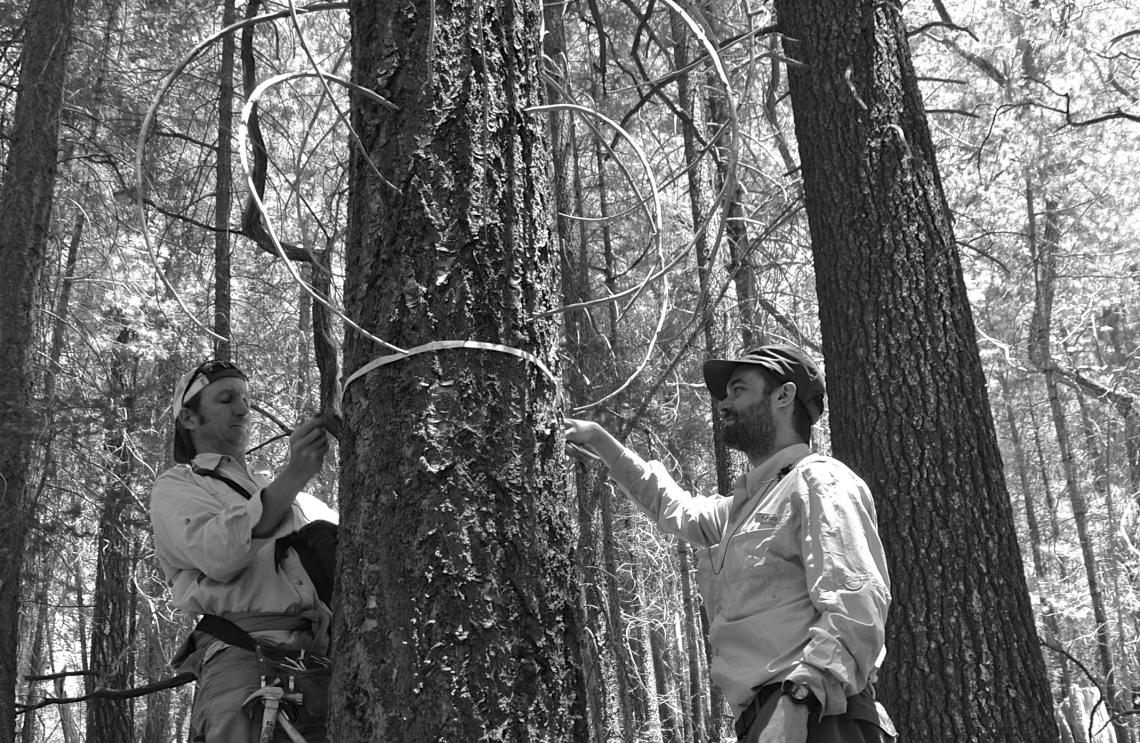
(1024,96)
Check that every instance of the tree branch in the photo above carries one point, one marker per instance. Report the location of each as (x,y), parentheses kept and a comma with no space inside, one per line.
(104,693)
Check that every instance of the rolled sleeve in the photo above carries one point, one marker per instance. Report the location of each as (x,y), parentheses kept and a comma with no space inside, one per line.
(698,520)
(848,584)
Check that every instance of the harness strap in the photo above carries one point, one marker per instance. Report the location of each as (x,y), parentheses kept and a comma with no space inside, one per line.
(238,487)
(236,631)
(226,631)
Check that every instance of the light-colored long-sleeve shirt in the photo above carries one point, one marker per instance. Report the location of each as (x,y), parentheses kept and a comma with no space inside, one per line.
(793,574)
(203,538)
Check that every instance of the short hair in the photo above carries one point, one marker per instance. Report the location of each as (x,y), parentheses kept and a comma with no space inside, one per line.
(184,448)
(801,418)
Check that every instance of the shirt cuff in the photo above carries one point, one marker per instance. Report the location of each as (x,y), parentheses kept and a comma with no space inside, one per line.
(829,692)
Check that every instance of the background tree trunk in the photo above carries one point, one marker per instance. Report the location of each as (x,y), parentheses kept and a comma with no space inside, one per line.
(456,602)
(113,620)
(907,395)
(25,217)
(223,189)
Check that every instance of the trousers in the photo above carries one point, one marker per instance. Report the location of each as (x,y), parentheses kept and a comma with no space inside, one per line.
(224,682)
(865,720)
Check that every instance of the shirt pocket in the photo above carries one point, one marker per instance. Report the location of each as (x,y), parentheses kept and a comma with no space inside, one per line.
(755,546)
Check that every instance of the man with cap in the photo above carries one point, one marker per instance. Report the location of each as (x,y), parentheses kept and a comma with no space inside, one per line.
(218,530)
(792,572)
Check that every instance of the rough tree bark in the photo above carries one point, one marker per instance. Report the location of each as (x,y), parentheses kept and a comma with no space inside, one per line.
(455,609)
(907,395)
(113,618)
(25,217)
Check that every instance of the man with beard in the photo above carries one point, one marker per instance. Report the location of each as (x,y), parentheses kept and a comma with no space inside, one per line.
(795,581)
(234,547)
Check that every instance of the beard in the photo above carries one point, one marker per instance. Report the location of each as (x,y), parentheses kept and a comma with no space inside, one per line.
(751,429)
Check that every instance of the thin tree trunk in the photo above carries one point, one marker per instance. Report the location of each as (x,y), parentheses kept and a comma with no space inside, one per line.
(156,725)
(606,714)
(25,217)
(699,181)
(223,188)
(1046,480)
(1040,568)
(643,668)
(67,723)
(698,700)
(1043,252)
(671,726)
(37,656)
(629,648)
(112,654)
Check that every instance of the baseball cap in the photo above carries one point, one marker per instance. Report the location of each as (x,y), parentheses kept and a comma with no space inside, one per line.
(191,383)
(784,362)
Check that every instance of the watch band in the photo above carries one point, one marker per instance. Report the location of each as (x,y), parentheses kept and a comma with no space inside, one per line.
(800,693)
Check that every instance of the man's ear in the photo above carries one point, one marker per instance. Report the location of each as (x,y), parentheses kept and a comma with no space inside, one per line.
(786,396)
(189,419)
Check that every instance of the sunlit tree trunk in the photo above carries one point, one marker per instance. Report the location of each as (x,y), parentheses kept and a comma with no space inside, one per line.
(696,693)
(25,217)
(153,664)
(1021,461)
(1043,252)
(602,672)
(37,657)
(907,397)
(630,646)
(644,671)
(456,598)
(693,132)
(672,726)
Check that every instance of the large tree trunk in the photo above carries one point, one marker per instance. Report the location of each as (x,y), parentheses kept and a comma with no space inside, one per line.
(25,216)
(455,593)
(909,408)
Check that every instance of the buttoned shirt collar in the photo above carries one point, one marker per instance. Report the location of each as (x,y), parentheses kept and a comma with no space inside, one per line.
(758,478)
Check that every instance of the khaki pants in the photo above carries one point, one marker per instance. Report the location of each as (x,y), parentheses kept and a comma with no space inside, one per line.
(224,682)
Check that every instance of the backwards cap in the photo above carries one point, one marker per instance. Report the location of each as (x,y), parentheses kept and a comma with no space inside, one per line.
(784,362)
(191,383)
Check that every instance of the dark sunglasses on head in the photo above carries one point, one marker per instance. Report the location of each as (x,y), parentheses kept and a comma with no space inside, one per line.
(209,369)
(213,366)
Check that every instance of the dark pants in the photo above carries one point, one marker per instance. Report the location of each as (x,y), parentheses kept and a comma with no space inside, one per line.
(224,682)
(865,721)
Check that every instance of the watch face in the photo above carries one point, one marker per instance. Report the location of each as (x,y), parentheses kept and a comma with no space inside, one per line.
(799,692)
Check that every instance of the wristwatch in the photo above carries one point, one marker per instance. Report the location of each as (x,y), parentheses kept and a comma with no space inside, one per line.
(800,694)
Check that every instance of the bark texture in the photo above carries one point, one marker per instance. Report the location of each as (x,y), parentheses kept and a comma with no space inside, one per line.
(908,400)
(25,216)
(113,618)
(456,603)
